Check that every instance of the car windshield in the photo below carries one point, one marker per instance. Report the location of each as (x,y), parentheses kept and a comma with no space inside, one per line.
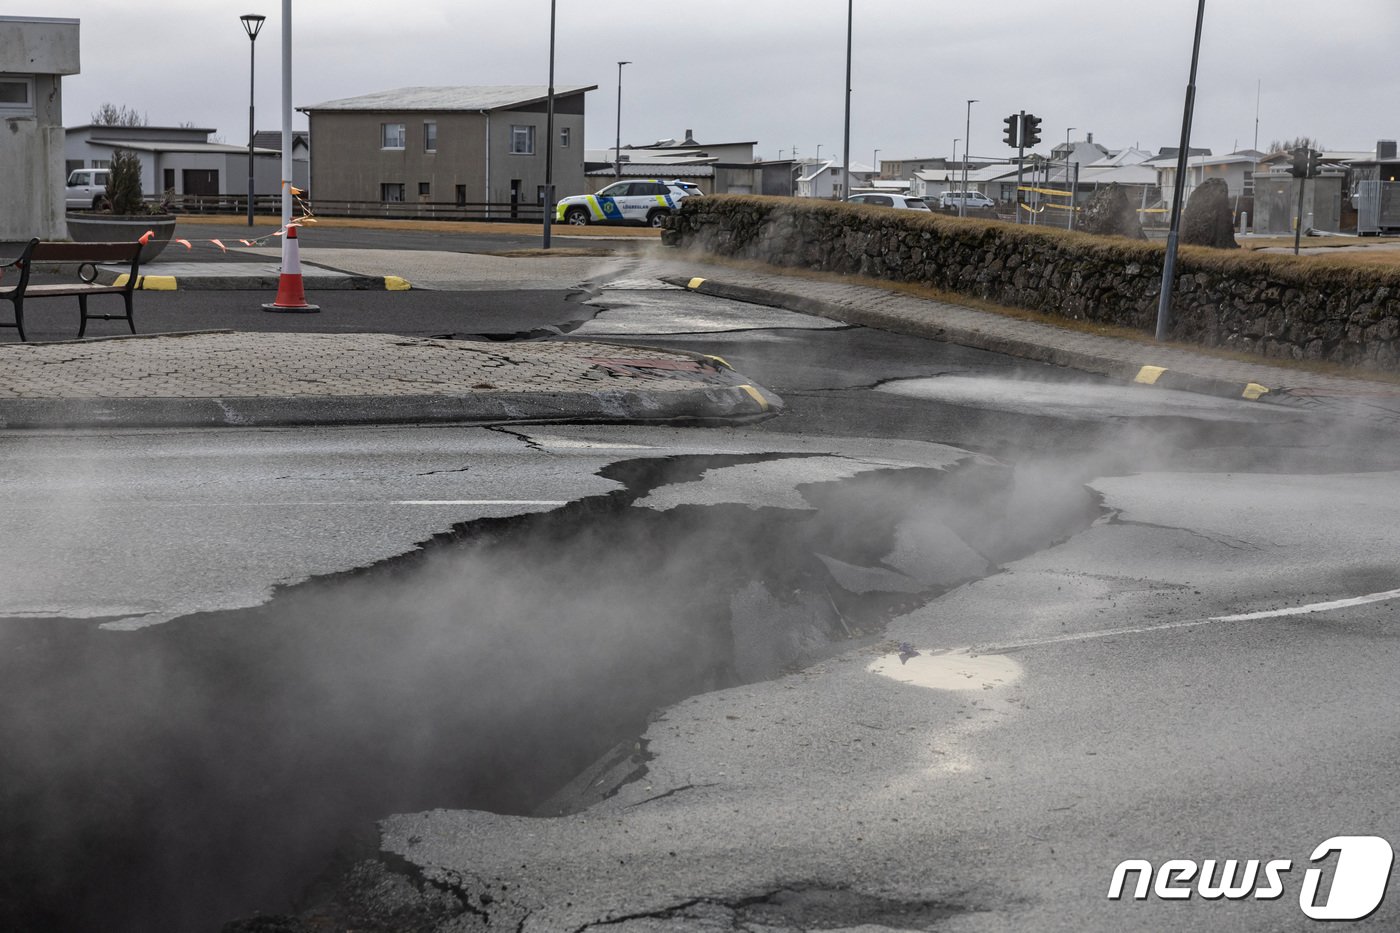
(916,203)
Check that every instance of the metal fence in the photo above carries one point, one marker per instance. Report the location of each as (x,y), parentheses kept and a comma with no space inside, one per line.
(389,210)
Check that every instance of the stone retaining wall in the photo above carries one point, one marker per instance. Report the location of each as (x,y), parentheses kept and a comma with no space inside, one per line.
(1274,305)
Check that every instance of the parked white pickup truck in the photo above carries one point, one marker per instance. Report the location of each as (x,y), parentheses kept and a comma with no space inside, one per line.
(87,188)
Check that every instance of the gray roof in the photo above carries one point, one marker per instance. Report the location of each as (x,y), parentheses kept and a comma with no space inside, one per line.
(475,97)
(658,170)
(145,145)
(272,139)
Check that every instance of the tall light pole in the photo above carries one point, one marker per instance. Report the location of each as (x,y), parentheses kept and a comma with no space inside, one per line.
(549,139)
(1069,224)
(1164,302)
(617,153)
(876,162)
(967,137)
(950,173)
(846,137)
(252,24)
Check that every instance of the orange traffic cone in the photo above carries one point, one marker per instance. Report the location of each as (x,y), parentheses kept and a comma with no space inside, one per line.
(290,294)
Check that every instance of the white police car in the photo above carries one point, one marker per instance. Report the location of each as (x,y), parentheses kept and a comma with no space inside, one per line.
(643,201)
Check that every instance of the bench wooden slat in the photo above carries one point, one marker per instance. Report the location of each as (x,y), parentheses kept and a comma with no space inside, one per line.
(50,291)
(85,252)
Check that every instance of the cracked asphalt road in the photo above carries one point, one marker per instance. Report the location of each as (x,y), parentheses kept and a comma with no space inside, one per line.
(787,784)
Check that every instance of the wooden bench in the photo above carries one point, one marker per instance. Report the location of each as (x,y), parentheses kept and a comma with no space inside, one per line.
(87,255)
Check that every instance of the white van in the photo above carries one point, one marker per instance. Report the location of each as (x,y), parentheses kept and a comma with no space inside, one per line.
(87,188)
(974,200)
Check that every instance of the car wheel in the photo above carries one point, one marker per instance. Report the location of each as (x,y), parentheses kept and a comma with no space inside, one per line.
(99,202)
(657,218)
(576,216)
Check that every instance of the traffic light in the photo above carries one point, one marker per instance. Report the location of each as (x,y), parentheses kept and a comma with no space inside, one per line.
(1314,162)
(1301,159)
(1030,130)
(1013,126)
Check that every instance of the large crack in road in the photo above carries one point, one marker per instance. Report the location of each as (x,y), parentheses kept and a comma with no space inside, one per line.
(179,776)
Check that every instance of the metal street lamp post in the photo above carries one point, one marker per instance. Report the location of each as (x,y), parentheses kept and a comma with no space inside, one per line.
(846,136)
(1070,222)
(252,24)
(962,201)
(1164,302)
(617,153)
(950,172)
(876,162)
(549,139)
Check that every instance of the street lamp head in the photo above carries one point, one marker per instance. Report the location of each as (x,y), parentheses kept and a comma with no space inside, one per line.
(252,24)
(620,64)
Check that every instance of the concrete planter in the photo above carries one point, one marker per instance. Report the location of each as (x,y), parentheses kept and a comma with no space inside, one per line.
(123,228)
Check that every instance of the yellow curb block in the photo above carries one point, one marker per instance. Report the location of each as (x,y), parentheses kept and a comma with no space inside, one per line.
(757,396)
(150,283)
(393,283)
(694,283)
(1253,391)
(1149,375)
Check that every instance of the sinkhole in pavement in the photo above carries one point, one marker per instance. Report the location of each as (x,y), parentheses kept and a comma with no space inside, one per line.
(184,775)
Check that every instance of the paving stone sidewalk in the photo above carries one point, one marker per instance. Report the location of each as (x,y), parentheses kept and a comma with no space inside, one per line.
(233,378)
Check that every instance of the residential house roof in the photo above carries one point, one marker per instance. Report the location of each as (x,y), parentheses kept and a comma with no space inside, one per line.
(272,139)
(146,145)
(814,169)
(657,170)
(689,143)
(470,97)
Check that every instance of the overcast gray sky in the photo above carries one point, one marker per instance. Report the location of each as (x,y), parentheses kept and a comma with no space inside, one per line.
(774,71)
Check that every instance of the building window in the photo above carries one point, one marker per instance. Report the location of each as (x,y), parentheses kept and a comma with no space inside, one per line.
(522,140)
(424,189)
(16,94)
(101,163)
(461,195)
(391,136)
(430,136)
(391,192)
(564,137)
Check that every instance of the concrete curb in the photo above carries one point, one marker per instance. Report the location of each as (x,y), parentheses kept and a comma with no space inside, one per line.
(1131,372)
(708,403)
(311,281)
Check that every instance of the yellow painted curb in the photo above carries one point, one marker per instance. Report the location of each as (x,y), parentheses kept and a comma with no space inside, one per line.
(1149,375)
(395,284)
(695,283)
(757,396)
(1254,390)
(718,359)
(150,283)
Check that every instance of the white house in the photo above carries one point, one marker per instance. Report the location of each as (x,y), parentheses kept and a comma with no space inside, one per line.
(826,179)
(35,54)
(176,157)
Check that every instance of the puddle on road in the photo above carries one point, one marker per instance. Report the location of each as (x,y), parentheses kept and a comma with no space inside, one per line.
(952,670)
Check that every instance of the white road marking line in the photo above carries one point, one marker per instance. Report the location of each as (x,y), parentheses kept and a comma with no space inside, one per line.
(551,502)
(1191,623)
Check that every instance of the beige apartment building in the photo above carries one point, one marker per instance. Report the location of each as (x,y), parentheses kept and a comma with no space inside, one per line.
(459,146)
